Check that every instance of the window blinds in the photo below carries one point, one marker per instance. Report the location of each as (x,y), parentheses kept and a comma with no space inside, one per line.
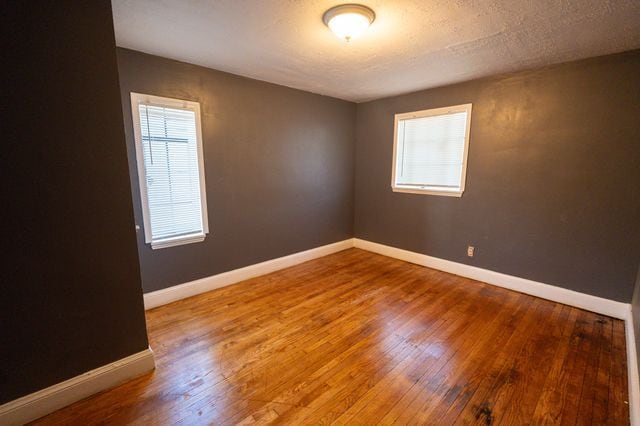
(171,170)
(430,151)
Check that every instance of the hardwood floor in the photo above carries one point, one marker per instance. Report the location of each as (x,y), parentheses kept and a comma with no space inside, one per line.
(358,338)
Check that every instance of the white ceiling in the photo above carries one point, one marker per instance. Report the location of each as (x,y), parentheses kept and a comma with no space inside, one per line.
(413,44)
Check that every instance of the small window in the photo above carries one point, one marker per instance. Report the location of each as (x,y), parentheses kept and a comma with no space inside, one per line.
(430,151)
(170,170)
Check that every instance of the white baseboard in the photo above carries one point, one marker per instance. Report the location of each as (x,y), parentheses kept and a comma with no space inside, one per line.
(632,366)
(545,291)
(45,401)
(192,288)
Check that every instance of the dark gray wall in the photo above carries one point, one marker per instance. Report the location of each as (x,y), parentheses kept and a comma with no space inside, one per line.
(635,311)
(71,296)
(553,179)
(278,165)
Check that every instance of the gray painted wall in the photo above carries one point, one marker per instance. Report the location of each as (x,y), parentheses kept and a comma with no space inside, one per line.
(278,165)
(552,190)
(71,295)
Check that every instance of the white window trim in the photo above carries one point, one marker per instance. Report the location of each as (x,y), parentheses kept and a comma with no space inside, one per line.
(136,99)
(430,190)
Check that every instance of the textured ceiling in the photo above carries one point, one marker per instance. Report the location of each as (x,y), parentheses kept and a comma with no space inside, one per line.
(413,44)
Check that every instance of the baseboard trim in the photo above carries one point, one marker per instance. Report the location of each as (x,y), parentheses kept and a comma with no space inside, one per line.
(192,288)
(45,401)
(545,291)
(633,374)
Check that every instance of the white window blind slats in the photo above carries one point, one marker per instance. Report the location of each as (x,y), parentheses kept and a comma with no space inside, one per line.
(430,150)
(169,146)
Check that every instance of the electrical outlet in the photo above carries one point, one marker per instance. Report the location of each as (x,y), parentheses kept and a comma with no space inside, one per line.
(470,250)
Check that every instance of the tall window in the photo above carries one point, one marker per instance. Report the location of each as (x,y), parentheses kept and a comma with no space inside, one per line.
(430,151)
(170,169)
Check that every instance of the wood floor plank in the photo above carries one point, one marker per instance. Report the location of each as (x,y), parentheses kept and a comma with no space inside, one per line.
(345,392)
(288,372)
(381,397)
(478,408)
(401,340)
(359,338)
(452,398)
(446,362)
(534,363)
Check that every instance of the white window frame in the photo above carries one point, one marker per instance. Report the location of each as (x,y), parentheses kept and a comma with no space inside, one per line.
(136,100)
(431,190)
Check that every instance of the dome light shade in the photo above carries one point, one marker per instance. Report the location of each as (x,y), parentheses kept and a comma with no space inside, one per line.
(348,21)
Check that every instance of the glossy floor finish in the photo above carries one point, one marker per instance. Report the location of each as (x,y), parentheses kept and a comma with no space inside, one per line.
(358,338)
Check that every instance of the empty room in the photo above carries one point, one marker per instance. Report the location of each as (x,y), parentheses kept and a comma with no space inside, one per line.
(408,212)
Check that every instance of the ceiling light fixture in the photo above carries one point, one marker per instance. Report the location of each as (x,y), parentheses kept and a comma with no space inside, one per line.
(348,21)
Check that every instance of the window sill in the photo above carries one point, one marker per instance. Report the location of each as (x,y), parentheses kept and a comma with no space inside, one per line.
(177,241)
(428,191)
